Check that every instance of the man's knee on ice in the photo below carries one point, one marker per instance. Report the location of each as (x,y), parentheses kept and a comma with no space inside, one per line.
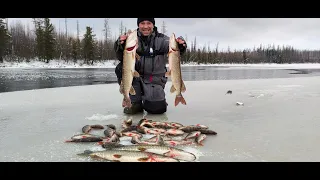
(155,107)
(154,100)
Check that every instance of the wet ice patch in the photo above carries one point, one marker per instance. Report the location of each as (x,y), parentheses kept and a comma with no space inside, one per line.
(257,95)
(289,86)
(100,117)
(196,151)
(235,155)
(126,142)
(147,136)
(96,148)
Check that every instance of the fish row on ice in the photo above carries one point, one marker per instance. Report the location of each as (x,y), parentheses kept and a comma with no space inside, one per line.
(161,147)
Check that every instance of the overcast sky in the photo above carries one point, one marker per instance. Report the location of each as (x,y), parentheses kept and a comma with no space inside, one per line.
(237,33)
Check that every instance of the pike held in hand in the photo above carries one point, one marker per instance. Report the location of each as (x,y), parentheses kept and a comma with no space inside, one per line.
(128,69)
(174,72)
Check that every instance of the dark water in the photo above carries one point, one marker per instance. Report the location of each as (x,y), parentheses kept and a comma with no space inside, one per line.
(28,79)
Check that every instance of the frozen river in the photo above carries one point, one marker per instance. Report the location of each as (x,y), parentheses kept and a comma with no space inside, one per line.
(278,122)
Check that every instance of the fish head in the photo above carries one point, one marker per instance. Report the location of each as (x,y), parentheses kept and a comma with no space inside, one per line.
(159,140)
(129,122)
(173,44)
(132,41)
(112,126)
(202,137)
(135,140)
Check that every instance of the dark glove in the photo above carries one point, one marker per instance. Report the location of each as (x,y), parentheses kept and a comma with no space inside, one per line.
(182,47)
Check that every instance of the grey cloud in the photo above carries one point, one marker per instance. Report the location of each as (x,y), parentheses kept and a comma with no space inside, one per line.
(237,33)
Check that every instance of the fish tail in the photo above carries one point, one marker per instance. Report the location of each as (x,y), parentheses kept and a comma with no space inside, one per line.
(179,99)
(69,140)
(85,153)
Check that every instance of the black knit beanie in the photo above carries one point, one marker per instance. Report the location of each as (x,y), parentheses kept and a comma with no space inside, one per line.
(146,19)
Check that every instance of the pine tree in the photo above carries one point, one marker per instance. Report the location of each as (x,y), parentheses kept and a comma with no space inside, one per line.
(49,40)
(39,38)
(88,45)
(4,39)
(74,50)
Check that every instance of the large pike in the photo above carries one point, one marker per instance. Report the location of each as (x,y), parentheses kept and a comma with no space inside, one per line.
(128,69)
(171,152)
(174,72)
(127,156)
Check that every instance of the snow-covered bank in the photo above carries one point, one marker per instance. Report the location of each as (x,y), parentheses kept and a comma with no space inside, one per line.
(113,63)
(58,64)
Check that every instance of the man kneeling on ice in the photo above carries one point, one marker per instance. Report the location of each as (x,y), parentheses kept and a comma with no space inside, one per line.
(153,48)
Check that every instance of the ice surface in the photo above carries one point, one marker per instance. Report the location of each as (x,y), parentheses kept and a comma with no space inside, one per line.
(279,120)
(101,117)
(113,63)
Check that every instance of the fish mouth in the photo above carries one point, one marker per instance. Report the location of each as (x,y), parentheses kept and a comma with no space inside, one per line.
(131,48)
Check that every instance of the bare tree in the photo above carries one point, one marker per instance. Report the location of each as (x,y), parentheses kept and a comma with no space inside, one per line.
(107,34)
(164,28)
(121,28)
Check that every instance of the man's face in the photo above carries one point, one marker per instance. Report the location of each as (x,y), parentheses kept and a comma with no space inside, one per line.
(146,27)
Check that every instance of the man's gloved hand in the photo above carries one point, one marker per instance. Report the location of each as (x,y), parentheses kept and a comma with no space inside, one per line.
(123,38)
(182,43)
(121,41)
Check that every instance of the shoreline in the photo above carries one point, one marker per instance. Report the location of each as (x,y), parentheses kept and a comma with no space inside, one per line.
(216,83)
(34,64)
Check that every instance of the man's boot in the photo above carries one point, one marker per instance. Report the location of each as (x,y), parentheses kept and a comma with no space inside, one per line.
(134,109)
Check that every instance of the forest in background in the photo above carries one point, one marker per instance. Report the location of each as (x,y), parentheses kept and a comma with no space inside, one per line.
(41,41)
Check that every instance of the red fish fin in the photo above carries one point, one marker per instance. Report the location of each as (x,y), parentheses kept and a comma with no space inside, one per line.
(142,149)
(69,140)
(117,155)
(144,159)
(180,99)
(100,143)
